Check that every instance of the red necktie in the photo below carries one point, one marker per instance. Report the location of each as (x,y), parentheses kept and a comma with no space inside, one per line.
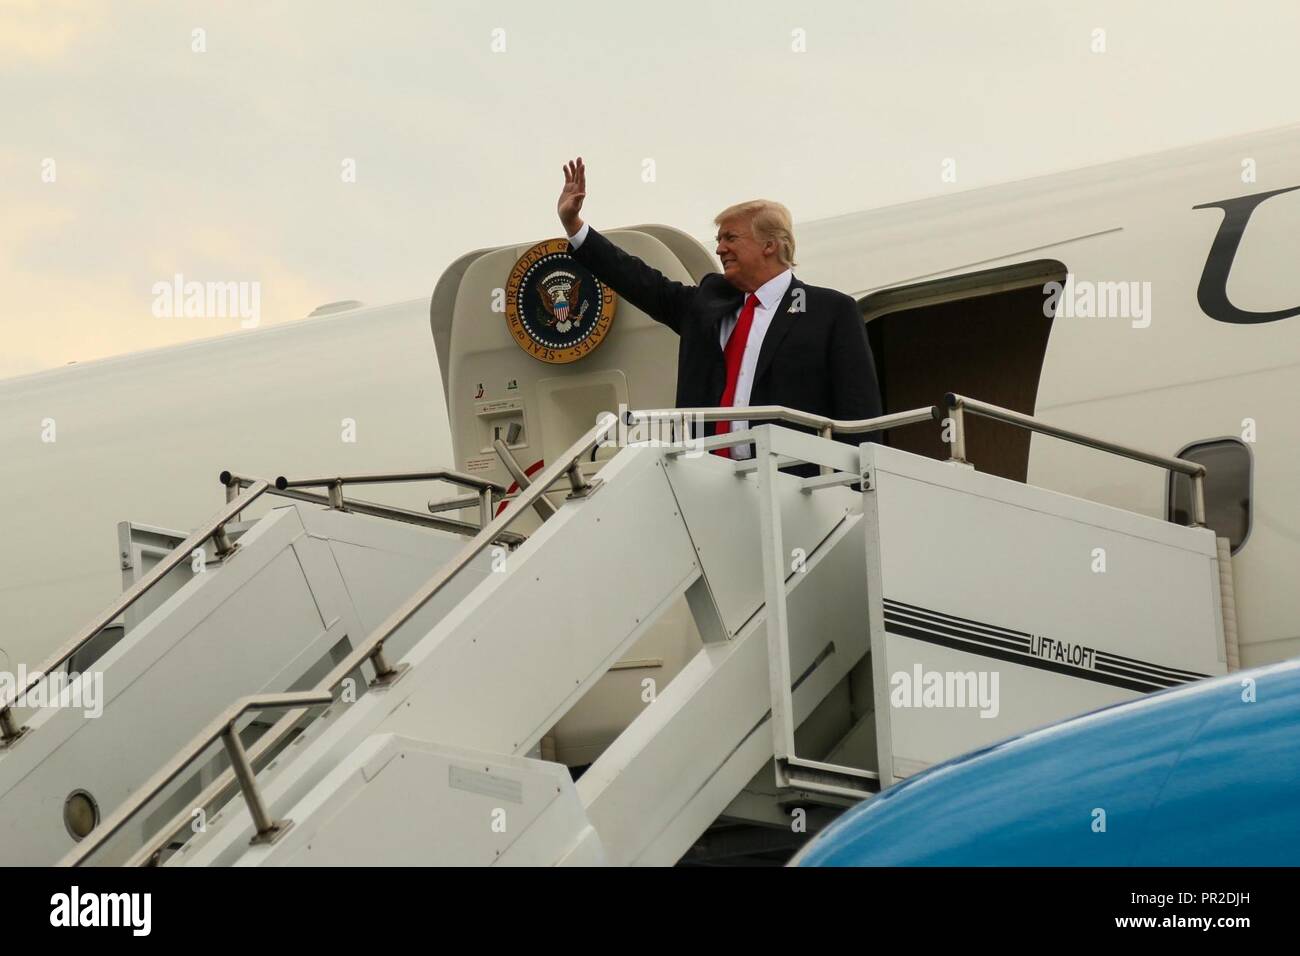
(735,351)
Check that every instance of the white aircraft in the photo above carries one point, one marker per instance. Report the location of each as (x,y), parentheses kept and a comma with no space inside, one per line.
(1150,302)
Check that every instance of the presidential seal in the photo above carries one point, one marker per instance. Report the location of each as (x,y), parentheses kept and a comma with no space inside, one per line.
(556,309)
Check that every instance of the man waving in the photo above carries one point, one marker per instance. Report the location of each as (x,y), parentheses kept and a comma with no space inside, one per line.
(752,334)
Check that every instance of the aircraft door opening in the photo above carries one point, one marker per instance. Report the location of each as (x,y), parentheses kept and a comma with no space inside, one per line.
(983,334)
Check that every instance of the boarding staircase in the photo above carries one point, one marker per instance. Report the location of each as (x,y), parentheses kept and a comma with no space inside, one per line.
(350,683)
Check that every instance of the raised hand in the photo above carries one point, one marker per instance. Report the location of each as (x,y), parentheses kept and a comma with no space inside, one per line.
(572,195)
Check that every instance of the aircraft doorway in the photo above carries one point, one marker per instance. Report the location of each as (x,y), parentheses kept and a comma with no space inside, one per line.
(982,334)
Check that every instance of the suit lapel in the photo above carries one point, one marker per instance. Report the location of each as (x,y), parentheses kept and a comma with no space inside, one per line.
(727,301)
(724,300)
(781,323)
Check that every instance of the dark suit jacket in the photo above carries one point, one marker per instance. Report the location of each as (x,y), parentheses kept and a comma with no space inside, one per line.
(817,360)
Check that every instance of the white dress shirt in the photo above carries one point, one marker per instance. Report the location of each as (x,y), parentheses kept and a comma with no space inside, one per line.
(576,239)
(770,294)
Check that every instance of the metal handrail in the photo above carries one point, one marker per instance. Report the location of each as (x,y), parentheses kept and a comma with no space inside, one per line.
(957,444)
(826,427)
(443,474)
(371,649)
(213,528)
(462,502)
(542,506)
(769,413)
(487,489)
(224,727)
(376,510)
(457,504)
(568,465)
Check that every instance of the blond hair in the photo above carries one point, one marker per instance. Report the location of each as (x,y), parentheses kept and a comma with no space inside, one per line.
(767,220)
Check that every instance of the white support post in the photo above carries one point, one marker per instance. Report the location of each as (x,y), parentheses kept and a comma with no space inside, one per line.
(778,644)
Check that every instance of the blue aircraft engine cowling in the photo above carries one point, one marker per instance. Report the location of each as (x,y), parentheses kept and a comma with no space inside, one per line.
(1207,774)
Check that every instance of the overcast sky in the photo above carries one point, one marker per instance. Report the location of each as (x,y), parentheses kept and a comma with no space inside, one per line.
(128,155)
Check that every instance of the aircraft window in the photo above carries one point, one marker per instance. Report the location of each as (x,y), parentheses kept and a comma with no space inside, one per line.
(1227,489)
